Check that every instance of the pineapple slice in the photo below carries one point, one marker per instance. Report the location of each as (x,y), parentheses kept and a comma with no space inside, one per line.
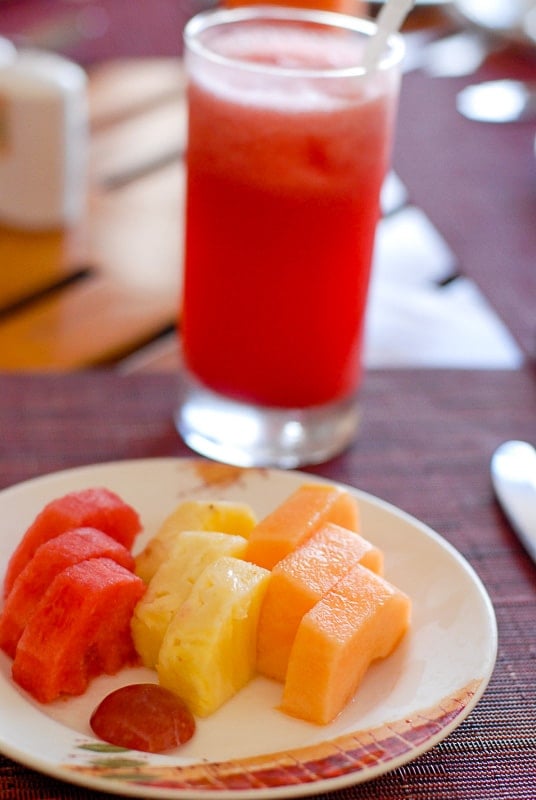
(194,515)
(171,585)
(209,650)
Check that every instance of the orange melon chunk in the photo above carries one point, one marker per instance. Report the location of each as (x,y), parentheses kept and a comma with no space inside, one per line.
(361,619)
(296,519)
(299,581)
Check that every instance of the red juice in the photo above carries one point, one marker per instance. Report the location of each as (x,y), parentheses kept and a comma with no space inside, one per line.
(283,184)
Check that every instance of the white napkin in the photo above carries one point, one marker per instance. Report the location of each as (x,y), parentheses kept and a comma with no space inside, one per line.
(415,321)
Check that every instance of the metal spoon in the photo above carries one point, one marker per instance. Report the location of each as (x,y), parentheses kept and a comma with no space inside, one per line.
(513,474)
(498,101)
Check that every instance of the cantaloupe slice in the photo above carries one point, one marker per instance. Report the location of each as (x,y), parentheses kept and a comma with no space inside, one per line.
(80,629)
(48,561)
(209,649)
(223,516)
(298,581)
(95,507)
(362,618)
(296,519)
(172,583)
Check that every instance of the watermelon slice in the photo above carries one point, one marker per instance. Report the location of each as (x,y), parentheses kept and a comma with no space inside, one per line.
(80,629)
(96,508)
(49,560)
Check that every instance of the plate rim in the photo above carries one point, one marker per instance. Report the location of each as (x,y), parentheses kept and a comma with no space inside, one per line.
(66,773)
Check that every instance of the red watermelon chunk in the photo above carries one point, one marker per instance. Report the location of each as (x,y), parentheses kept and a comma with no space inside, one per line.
(96,508)
(48,561)
(80,629)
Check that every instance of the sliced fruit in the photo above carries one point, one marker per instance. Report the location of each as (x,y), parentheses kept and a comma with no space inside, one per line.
(194,515)
(361,619)
(80,629)
(96,508)
(172,582)
(143,716)
(209,650)
(48,561)
(298,581)
(297,518)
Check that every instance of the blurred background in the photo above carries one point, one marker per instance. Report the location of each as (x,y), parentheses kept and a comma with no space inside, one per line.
(456,247)
(94,30)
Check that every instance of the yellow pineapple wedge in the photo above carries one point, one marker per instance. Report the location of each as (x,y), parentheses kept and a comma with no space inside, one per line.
(209,650)
(193,515)
(172,582)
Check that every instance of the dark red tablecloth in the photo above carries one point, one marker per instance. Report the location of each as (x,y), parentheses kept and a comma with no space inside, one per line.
(425,445)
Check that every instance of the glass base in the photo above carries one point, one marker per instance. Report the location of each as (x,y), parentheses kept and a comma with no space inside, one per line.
(255,436)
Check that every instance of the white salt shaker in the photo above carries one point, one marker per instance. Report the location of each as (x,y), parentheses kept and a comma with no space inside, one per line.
(43,141)
(8,51)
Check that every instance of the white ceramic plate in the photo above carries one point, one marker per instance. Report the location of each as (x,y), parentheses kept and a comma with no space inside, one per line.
(247,749)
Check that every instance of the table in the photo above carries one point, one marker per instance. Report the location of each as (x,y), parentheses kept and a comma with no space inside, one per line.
(73,310)
(425,444)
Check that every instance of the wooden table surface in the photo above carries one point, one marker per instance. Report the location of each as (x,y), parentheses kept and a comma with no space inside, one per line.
(91,295)
(111,288)
(425,445)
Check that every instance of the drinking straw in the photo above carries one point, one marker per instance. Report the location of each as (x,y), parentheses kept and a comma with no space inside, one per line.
(389,21)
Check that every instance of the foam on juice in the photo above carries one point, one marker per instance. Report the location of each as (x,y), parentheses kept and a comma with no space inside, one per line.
(310,127)
(287,48)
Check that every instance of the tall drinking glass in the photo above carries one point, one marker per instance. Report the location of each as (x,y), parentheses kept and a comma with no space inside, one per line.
(288,144)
